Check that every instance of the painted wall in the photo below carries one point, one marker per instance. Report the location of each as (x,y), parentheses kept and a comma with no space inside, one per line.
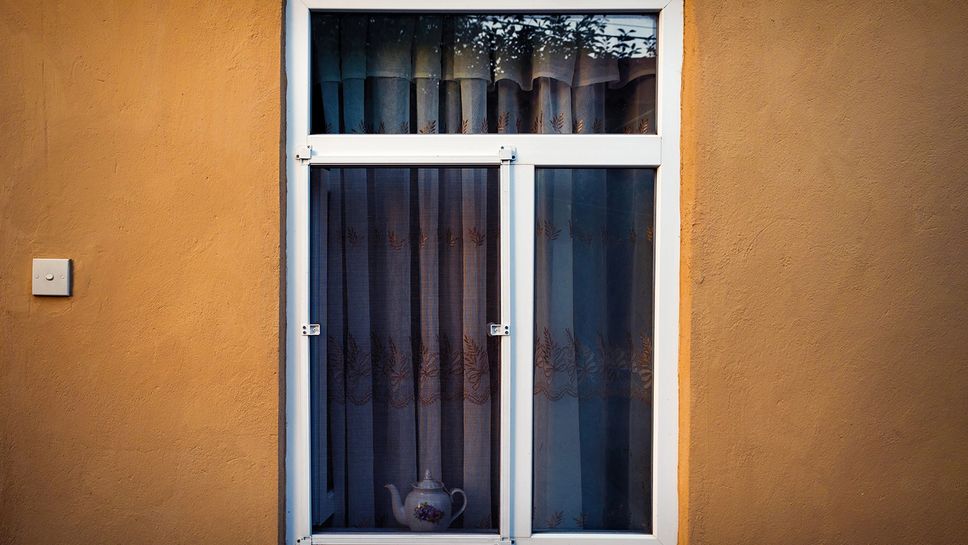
(141,139)
(824,294)
(826,252)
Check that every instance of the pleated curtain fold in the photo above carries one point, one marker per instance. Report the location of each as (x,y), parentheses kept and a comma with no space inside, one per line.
(466,77)
(405,270)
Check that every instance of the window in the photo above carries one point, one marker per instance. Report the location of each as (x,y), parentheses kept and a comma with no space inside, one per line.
(482,271)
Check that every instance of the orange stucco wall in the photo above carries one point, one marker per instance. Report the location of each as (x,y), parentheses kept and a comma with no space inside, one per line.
(141,139)
(825,184)
(824,293)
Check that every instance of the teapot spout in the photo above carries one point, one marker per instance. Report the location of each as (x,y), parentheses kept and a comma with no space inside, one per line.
(398,510)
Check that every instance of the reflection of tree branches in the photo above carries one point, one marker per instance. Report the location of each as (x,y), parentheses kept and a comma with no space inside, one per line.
(515,35)
(503,39)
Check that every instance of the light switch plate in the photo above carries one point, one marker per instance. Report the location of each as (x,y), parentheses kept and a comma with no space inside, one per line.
(52,277)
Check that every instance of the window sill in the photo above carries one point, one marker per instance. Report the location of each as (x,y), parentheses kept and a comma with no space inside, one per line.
(405,539)
(484,539)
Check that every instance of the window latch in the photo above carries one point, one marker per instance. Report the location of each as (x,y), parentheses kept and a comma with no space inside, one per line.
(498,330)
(304,153)
(310,330)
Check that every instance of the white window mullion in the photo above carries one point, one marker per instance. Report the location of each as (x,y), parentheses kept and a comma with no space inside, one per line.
(403,539)
(298,484)
(590,538)
(522,344)
(506,358)
(476,6)
(639,150)
(665,334)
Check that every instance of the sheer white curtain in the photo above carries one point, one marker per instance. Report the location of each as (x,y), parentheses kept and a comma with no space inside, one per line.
(409,271)
(412,270)
(407,260)
(464,74)
(593,349)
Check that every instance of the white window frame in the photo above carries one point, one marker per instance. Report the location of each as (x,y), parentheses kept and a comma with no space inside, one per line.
(660,151)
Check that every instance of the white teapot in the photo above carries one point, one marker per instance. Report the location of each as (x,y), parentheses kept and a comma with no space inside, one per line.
(428,506)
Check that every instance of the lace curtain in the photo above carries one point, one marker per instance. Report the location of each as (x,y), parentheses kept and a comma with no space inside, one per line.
(593,349)
(465,74)
(405,270)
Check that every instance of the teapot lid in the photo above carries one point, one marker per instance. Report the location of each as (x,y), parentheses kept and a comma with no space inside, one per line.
(428,482)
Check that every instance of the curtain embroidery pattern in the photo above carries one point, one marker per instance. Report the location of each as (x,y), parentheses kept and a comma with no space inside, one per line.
(405,270)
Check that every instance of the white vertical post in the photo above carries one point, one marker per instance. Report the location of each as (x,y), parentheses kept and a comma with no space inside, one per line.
(665,439)
(298,493)
(506,358)
(521,238)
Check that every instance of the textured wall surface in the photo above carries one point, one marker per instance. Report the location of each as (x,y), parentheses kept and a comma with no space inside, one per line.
(825,291)
(826,249)
(141,139)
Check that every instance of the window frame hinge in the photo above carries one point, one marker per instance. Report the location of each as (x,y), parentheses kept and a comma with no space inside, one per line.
(303,153)
(310,330)
(304,540)
(505,541)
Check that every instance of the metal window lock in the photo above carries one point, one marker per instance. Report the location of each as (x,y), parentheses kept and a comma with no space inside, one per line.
(498,330)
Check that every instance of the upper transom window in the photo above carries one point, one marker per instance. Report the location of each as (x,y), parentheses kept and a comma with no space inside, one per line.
(476,74)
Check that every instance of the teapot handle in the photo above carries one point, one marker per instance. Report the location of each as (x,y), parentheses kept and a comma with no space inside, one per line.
(462,507)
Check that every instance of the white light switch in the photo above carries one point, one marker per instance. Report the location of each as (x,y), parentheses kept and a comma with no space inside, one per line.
(52,277)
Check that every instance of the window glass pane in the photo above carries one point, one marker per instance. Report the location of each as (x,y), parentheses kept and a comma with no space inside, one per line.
(404,378)
(469,74)
(593,350)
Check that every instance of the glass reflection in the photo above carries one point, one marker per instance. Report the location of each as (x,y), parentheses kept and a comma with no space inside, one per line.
(471,74)
(593,350)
